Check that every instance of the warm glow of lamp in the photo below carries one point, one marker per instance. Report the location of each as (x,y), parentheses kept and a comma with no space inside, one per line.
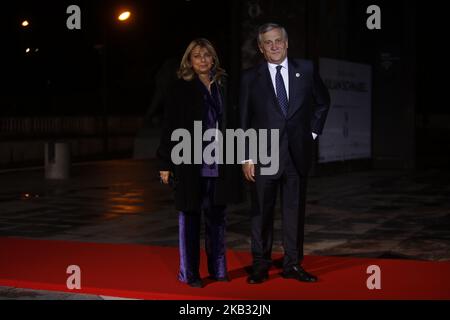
(27,50)
(25,23)
(124,15)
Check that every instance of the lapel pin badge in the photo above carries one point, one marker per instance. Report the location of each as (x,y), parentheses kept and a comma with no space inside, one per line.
(297,75)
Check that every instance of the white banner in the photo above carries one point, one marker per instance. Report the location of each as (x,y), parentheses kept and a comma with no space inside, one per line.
(347,132)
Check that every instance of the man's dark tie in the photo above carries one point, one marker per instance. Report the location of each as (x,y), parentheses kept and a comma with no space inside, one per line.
(281,91)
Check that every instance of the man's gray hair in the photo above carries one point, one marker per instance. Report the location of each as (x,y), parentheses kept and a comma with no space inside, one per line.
(268,27)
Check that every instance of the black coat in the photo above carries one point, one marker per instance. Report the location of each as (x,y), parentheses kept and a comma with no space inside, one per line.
(309,102)
(184,105)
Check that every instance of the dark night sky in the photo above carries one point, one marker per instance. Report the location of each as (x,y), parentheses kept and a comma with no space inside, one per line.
(66,71)
(67,68)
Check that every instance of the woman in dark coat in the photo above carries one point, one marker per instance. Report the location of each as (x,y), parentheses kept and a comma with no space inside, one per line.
(198,95)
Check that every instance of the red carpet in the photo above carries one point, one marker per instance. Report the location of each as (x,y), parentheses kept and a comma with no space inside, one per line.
(147,272)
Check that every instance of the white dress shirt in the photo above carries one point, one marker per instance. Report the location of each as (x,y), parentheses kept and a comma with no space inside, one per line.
(284,73)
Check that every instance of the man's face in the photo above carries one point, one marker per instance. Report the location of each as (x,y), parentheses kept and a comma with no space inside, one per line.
(273,46)
(201,60)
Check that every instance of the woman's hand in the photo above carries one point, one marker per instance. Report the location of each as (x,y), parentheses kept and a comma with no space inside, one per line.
(164,176)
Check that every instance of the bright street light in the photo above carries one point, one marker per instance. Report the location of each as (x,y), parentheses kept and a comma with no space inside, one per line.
(25,23)
(124,16)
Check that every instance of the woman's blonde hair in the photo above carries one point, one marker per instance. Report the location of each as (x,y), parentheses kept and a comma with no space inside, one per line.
(186,71)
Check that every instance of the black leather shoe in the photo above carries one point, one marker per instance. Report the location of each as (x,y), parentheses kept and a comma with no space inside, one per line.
(298,273)
(196,283)
(257,277)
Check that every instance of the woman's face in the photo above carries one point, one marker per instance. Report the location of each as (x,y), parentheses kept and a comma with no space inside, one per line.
(201,60)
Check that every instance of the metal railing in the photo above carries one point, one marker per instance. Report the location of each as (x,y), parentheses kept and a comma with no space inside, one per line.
(18,127)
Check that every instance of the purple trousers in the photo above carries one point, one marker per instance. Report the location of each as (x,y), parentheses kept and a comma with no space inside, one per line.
(189,237)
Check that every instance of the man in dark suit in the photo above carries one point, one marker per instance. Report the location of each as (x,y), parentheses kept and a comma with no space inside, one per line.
(288,95)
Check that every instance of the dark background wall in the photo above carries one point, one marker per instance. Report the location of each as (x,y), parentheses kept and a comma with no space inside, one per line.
(108,69)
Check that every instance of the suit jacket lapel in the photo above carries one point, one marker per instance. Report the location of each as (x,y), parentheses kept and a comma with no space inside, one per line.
(295,86)
(267,86)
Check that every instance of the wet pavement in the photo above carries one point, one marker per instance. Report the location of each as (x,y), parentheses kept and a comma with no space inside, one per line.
(380,214)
